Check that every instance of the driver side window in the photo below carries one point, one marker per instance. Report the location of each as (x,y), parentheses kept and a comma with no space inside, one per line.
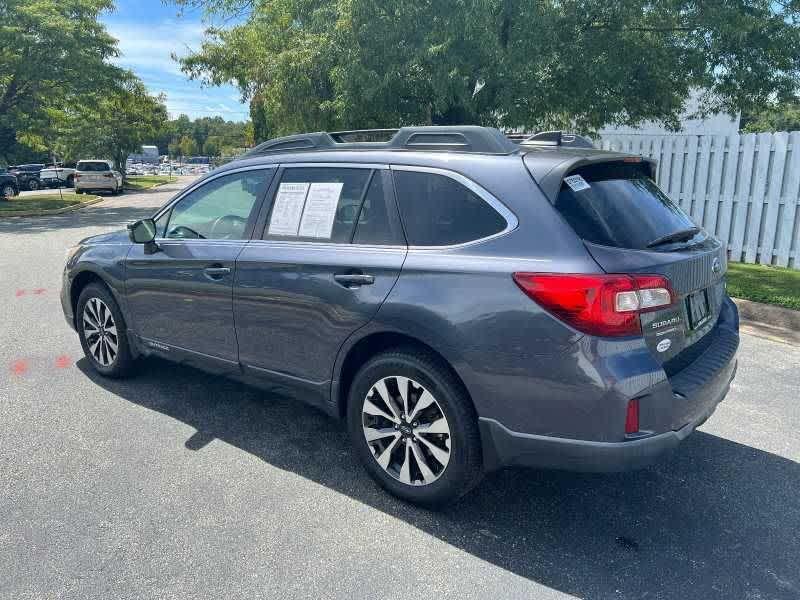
(219,210)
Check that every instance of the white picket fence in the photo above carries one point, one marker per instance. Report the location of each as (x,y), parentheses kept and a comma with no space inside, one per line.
(745,189)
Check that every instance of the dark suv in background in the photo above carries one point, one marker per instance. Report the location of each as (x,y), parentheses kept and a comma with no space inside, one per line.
(27,176)
(462,301)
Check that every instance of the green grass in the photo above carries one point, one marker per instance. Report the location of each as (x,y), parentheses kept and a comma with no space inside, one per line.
(40,202)
(771,285)
(144,182)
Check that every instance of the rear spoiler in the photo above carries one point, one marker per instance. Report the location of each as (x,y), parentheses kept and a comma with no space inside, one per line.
(550,174)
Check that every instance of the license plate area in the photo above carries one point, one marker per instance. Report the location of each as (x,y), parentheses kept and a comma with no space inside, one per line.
(697,308)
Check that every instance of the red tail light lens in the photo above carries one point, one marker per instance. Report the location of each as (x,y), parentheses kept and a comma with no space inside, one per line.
(601,305)
(632,417)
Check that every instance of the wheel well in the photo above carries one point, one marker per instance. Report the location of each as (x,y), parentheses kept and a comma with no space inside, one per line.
(81,280)
(374,344)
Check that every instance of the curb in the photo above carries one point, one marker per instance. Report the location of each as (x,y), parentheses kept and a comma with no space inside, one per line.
(772,322)
(56,211)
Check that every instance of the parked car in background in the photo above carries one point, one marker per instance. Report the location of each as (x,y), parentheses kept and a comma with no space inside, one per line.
(9,186)
(27,175)
(97,175)
(464,303)
(57,176)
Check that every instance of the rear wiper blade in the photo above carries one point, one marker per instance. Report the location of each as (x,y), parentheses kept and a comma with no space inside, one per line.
(676,236)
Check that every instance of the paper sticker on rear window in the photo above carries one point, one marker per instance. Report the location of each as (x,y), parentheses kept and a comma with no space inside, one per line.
(576,183)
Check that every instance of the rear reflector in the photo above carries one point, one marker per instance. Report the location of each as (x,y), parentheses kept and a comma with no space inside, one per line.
(632,417)
(601,305)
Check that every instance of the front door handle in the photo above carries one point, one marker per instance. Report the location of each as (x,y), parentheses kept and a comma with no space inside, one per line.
(353,280)
(216,272)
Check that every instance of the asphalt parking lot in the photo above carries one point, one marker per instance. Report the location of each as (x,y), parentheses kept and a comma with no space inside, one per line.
(177,484)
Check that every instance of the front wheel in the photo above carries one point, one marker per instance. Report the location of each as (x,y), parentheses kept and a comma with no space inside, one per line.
(8,191)
(33,185)
(78,191)
(102,332)
(414,428)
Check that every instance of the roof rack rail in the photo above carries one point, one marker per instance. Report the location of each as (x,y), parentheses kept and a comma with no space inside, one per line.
(448,138)
(557,138)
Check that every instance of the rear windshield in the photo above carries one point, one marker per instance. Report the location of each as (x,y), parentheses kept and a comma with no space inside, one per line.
(617,204)
(93,166)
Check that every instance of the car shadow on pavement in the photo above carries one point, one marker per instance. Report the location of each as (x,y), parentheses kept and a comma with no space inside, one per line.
(716,519)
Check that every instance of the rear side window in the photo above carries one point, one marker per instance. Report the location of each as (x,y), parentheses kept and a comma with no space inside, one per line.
(438,211)
(94,166)
(617,204)
(378,221)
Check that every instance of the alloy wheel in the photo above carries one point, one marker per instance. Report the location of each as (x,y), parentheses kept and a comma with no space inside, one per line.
(8,192)
(406,430)
(100,331)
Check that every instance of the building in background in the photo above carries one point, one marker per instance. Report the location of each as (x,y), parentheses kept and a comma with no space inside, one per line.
(716,124)
(149,154)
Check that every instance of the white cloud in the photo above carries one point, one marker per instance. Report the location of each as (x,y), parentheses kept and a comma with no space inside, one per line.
(147,50)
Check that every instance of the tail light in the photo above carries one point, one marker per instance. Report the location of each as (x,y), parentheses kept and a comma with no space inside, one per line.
(601,305)
(632,416)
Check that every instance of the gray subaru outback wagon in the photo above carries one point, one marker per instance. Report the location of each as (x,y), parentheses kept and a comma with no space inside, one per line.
(463,302)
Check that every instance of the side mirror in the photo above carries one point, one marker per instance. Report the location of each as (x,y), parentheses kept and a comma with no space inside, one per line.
(142,232)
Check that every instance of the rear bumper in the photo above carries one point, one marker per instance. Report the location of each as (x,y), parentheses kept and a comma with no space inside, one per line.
(503,447)
(96,185)
(686,400)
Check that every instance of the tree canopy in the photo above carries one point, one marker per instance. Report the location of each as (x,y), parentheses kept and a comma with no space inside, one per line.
(340,64)
(52,53)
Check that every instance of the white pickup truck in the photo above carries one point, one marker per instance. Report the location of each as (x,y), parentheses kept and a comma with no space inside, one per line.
(57,177)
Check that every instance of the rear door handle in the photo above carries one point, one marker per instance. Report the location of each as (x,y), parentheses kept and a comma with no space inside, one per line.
(352,280)
(216,272)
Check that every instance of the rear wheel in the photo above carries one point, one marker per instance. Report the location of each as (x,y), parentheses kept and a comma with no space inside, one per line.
(102,331)
(414,428)
(78,191)
(71,181)
(33,185)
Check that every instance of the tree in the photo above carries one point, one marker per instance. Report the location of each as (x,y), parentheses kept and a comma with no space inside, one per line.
(784,117)
(52,54)
(112,124)
(185,147)
(330,64)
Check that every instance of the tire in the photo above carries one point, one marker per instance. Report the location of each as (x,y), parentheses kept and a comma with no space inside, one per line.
(99,351)
(446,479)
(78,191)
(71,181)
(8,191)
(33,185)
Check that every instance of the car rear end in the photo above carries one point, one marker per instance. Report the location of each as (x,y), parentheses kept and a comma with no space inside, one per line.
(94,175)
(658,333)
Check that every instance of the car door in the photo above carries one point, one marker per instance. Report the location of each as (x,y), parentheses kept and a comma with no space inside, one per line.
(181,295)
(331,250)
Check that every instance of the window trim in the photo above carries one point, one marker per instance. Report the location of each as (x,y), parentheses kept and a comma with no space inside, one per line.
(510,218)
(200,183)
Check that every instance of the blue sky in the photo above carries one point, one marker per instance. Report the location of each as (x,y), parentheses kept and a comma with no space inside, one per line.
(148,32)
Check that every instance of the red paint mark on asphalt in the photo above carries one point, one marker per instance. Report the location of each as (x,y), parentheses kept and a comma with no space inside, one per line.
(39,291)
(20,293)
(19,367)
(63,361)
